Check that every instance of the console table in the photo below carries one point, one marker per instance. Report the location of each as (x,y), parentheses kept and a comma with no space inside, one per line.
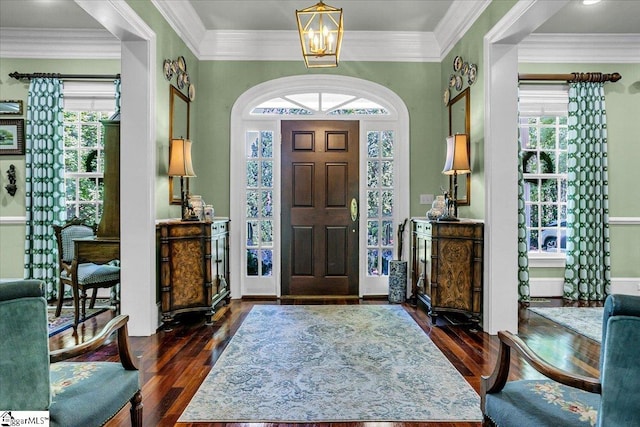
(446,266)
(194,266)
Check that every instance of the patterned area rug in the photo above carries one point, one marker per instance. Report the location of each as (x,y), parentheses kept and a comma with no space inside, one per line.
(65,321)
(331,364)
(586,321)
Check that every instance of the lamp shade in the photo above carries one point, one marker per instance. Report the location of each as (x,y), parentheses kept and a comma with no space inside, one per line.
(457,155)
(180,158)
(320,30)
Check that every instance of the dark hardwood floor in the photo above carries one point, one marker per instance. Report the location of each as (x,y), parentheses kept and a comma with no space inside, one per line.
(174,363)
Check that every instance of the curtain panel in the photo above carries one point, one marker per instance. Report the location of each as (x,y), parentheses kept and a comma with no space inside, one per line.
(44,174)
(588,266)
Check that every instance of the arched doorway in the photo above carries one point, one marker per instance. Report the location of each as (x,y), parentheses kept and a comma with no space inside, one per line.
(255,173)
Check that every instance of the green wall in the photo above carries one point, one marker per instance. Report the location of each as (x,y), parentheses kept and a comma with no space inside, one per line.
(222,82)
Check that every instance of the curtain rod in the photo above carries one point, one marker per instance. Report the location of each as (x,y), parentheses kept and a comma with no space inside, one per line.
(572,77)
(22,76)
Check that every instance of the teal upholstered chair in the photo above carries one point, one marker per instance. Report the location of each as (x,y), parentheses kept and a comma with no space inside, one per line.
(81,276)
(79,394)
(566,399)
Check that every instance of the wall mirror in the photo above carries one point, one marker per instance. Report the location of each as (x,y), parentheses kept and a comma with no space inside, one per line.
(11,108)
(460,122)
(178,128)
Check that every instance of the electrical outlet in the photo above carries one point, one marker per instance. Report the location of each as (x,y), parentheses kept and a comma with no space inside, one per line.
(426,199)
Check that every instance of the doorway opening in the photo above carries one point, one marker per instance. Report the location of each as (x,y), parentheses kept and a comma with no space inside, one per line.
(256,168)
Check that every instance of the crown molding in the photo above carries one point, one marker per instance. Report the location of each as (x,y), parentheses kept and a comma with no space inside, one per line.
(184,20)
(456,22)
(285,46)
(580,48)
(58,44)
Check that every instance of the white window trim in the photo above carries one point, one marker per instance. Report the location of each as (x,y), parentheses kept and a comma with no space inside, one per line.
(242,121)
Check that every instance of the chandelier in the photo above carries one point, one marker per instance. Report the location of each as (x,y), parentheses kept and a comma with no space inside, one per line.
(320,29)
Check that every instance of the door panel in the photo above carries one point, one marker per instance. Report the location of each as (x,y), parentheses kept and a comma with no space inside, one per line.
(319,180)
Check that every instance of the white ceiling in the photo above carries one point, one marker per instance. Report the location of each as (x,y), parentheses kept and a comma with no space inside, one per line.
(430,25)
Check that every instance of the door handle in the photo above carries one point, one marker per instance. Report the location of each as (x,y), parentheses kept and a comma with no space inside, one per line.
(354,209)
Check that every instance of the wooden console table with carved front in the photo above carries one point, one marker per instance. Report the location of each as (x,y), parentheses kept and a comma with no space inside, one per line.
(447,264)
(194,266)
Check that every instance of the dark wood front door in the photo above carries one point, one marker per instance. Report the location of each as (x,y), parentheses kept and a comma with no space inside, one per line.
(319,187)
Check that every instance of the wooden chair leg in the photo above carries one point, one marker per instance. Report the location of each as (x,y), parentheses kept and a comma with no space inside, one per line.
(60,297)
(136,409)
(76,307)
(93,298)
(83,303)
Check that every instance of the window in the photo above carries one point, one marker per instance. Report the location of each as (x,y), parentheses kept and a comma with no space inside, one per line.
(85,105)
(543,141)
(379,202)
(259,203)
(84,163)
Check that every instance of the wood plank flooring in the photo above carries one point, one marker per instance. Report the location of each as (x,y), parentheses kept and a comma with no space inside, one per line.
(174,363)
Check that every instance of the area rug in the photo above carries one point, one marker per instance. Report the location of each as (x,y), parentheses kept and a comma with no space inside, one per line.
(586,321)
(65,320)
(330,364)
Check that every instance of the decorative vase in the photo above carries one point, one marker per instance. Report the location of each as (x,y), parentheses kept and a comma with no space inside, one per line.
(208,213)
(197,204)
(397,281)
(438,207)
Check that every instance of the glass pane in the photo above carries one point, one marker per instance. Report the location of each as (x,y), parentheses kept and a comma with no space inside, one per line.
(267,208)
(267,144)
(252,174)
(387,203)
(266,232)
(549,214)
(387,174)
(387,234)
(387,255)
(547,162)
(372,262)
(89,116)
(563,190)
(88,135)
(531,190)
(373,204)
(89,161)
(71,210)
(533,138)
(70,189)
(548,138)
(373,144)
(373,172)
(88,189)
(88,212)
(267,262)
(562,138)
(70,135)
(562,162)
(549,190)
(252,204)
(252,262)
(372,233)
(71,161)
(533,215)
(252,144)
(252,233)
(267,174)
(533,239)
(387,143)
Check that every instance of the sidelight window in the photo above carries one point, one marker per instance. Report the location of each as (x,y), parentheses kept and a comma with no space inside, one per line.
(380,192)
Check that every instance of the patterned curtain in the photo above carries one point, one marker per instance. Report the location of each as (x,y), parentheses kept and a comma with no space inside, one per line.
(588,268)
(117,83)
(523,243)
(45,198)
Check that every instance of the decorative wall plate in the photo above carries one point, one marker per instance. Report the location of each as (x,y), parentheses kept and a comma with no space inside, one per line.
(465,68)
(446,97)
(182,64)
(458,82)
(473,73)
(452,80)
(192,92)
(457,63)
(168,69)
(180,80)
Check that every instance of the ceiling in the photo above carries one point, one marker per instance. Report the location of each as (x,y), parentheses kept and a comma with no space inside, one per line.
(436,21)
(609,16)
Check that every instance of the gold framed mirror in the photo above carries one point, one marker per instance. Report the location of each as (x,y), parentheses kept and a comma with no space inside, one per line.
(460,122)
(179,106)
